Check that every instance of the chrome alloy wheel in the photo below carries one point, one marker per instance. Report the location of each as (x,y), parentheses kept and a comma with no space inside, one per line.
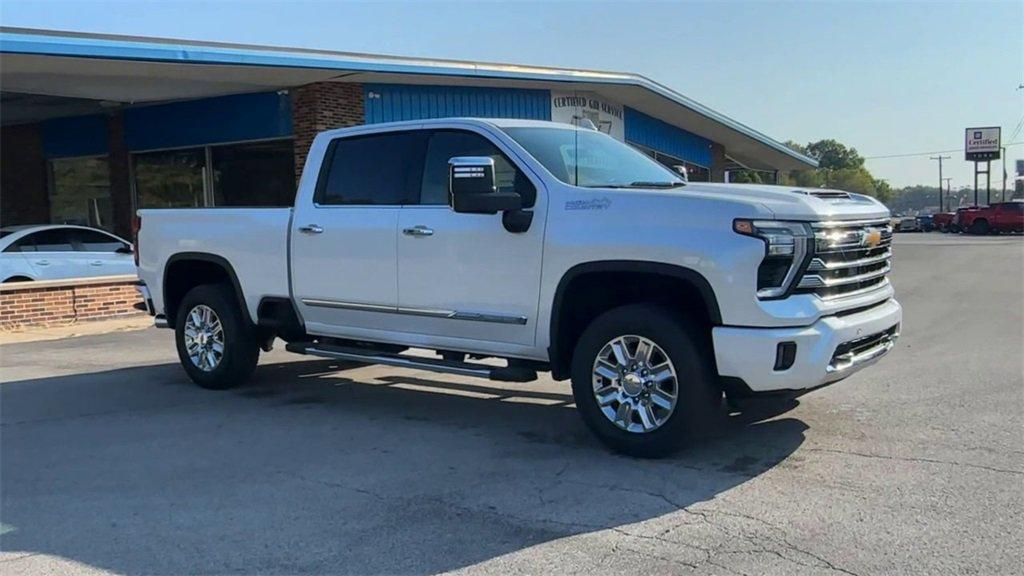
(204,338)
(635,384)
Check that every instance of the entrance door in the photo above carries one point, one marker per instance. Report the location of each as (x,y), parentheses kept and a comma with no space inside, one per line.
(464,276)
(343,244)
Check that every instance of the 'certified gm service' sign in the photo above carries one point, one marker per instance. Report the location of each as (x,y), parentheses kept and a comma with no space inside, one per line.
(982,144)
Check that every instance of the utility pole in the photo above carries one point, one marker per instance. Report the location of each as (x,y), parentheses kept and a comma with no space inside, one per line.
(1003,150)
(940,158)
(948,180)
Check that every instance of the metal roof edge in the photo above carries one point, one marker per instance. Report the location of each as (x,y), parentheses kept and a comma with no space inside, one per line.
(89,45)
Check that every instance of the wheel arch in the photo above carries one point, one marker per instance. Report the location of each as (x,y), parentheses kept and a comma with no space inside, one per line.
(567,321)
(205,268)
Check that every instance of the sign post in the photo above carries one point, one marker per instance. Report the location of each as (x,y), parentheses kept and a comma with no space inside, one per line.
(982,145)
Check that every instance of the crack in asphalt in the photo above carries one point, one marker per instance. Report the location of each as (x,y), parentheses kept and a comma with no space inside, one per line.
(918,460)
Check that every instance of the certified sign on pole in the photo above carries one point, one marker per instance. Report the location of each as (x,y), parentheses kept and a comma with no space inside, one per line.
(982,144)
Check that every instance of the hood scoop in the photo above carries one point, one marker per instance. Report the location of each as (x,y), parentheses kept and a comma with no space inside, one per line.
(825,194)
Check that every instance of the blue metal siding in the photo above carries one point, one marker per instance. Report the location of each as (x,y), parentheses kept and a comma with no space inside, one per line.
(209,121)
(75,136)
(663,137)
(394,102)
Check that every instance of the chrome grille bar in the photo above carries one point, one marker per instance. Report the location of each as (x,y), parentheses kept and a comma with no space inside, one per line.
(850,257)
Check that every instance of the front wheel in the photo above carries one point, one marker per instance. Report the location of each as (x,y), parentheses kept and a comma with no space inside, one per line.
(216,346)
(642,380)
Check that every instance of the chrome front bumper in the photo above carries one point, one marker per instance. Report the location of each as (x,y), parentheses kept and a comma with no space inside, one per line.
(831,349)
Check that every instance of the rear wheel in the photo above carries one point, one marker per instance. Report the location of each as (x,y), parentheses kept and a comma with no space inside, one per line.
(216,346)
(642,381)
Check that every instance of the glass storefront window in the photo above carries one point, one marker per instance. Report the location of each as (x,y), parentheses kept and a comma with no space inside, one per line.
(171,179)
(256,174)
(80,192)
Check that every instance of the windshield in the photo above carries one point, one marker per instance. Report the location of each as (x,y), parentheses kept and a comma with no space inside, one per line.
(592,159)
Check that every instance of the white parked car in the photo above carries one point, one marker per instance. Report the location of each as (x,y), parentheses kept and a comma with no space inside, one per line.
(52,252)
(909,224)
(555,249)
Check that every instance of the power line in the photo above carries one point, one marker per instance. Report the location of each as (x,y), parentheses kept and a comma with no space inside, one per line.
(932,152)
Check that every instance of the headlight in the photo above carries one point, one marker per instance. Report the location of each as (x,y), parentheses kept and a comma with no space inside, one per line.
(785,249)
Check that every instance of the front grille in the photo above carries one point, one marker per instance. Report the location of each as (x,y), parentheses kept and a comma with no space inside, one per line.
(848,258)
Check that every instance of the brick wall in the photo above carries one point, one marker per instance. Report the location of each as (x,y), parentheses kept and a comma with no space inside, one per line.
(323,106)
(64,302)
(23,196)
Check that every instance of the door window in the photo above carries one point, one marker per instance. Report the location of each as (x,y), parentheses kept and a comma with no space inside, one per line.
(91,241)
(376,170)
(446,144)
(56,240)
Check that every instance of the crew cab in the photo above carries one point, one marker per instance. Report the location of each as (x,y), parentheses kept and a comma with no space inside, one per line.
(551,247)
(1000,217)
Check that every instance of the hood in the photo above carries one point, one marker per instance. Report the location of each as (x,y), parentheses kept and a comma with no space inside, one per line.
(795,203)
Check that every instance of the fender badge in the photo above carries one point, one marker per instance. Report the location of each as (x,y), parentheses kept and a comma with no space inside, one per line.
(592,204)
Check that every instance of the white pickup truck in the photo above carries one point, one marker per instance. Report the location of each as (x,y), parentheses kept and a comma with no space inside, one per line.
(552,247)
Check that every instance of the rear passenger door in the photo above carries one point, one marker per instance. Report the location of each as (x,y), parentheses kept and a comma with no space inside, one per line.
(343,253)
(100,254)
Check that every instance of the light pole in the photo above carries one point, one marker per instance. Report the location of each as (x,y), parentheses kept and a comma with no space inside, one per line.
(1002,151)
(948,180)
(940,158)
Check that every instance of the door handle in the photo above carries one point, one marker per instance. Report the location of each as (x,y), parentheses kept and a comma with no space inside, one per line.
(42,262)
(311,229)
(96,263)
(418,231)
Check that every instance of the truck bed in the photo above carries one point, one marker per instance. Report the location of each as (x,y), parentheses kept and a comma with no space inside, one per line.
(253,240)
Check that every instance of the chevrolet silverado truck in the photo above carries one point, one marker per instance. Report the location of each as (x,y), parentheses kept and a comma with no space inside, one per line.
(547,247)
(1005,217)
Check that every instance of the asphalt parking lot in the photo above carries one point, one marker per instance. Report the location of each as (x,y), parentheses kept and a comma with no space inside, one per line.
(111,461)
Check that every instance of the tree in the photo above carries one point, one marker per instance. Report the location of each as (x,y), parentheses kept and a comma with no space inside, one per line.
(839,167)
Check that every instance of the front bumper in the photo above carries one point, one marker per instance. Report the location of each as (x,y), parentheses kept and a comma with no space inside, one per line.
(831,349)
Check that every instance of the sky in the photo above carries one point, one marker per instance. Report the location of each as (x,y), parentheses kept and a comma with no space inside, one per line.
(888,78)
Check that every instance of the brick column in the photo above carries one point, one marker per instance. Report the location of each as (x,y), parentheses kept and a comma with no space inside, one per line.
(23,190)
(323,106)
(120,181)
(717,162)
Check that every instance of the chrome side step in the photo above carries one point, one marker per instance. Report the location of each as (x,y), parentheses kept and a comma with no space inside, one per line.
(499,373)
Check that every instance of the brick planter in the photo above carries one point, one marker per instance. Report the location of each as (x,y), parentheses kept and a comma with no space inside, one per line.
(63,302)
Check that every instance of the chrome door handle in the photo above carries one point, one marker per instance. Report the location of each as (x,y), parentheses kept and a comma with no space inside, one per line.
(418,231)
(311,229)
(96,263)
(42,262)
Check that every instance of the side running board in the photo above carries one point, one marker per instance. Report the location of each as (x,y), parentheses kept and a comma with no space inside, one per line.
(499,373)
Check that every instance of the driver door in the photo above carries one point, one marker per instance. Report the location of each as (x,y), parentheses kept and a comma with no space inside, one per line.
(464,276)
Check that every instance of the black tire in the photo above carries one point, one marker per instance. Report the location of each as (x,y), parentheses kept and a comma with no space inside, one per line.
(979,227)
(699,399)
(241,349)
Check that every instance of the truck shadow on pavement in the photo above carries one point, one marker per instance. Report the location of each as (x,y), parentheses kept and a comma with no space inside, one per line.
(318,467)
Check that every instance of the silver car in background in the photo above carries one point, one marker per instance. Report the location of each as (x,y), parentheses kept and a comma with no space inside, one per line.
(58,251)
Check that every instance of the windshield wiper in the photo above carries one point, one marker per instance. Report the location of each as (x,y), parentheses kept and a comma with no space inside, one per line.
(643,184)
(639,184)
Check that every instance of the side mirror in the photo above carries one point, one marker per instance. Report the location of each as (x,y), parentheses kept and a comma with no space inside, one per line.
(471,187)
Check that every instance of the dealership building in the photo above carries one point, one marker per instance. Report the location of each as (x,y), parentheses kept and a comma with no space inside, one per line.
(97,126)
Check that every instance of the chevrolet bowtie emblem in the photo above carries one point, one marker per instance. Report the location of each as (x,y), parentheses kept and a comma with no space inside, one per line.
(871,237)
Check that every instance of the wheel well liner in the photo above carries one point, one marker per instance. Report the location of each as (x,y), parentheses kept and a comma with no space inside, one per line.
(565,326)
(205,268)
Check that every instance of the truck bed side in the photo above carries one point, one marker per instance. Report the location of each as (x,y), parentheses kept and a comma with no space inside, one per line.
(254,241)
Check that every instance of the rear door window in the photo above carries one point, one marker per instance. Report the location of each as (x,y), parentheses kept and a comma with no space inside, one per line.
(374,170)
(93,241)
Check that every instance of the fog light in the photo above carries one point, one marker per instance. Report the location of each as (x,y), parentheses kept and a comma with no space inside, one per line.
(785,355)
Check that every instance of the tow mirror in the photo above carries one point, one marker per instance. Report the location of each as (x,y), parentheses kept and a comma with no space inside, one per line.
(472,190)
